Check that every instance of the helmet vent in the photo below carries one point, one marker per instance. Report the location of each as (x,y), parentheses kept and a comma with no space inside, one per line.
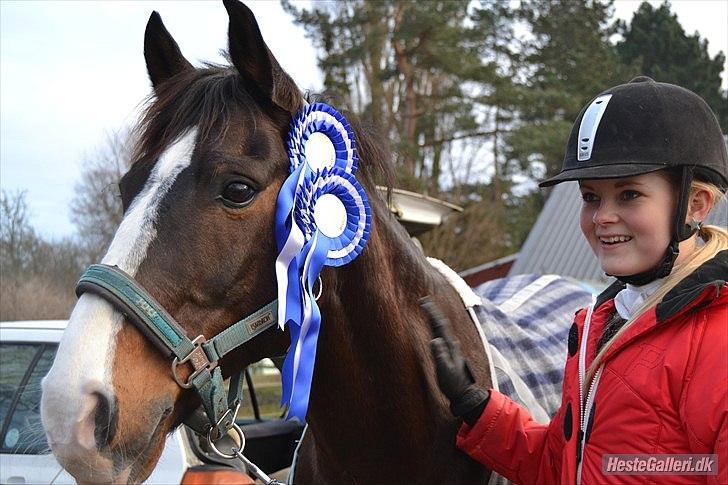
(589,125)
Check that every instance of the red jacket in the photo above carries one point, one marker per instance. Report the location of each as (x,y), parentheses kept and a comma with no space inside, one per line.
(663,390)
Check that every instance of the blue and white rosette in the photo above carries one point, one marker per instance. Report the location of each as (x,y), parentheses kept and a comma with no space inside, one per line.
(322,219)
(321,137)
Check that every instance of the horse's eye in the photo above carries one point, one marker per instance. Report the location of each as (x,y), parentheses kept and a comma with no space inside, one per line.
(237,194)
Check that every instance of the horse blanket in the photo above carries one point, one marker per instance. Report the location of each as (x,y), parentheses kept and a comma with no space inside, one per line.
(526,321)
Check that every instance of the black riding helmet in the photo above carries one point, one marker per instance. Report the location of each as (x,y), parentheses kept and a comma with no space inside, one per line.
(641,127)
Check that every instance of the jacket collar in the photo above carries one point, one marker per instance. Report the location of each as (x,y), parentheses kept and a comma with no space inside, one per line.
(711,273)
(609,293)
(691,291)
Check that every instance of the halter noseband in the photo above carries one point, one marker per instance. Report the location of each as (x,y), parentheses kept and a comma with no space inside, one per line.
(217,413)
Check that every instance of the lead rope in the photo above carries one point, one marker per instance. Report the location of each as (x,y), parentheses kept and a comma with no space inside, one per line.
(237,452)
(257,472)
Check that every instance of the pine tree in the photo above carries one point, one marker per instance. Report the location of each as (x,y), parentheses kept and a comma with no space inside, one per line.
(657,44)
(568,61)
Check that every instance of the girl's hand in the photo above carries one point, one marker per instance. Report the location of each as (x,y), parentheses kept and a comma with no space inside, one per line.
(453,372)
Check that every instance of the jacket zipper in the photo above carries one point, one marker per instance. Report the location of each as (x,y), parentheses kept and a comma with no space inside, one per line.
(585,413)
(584,405)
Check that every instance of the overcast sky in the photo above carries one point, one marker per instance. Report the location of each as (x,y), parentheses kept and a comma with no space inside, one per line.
(72,72)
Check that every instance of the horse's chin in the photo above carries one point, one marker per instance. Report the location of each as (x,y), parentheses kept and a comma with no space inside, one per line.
(117,479)
(136,467)
(87,467)
(107,468)
(145,463)
(111,467)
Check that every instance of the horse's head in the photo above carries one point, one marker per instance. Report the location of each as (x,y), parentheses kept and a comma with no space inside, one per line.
(198,234)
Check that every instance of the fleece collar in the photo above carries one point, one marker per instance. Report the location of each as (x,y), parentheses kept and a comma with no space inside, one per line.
(713,272)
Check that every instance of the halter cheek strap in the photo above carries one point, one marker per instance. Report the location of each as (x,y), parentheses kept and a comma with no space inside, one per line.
(218,410)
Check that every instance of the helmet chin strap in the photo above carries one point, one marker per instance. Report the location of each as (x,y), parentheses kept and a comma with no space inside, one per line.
(681,232)
(662,269)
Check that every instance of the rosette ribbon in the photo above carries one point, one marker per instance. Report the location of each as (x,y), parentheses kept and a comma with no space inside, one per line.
(322,219)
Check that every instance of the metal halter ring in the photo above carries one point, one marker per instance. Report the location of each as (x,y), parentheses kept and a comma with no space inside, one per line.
(236,449)
(221,424)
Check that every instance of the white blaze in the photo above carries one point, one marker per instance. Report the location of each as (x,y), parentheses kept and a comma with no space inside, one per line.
(85,354)
(137,231)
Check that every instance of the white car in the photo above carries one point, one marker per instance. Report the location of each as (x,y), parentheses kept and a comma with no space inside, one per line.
(27,350)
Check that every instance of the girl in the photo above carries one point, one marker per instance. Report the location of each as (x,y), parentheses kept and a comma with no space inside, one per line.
(647,367)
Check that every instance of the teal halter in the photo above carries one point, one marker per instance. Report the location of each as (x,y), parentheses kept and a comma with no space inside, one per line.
(217,413)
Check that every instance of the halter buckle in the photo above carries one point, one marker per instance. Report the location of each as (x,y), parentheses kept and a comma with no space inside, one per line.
(197,359)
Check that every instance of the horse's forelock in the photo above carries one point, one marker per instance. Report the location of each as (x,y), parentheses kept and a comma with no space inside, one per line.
(207,98)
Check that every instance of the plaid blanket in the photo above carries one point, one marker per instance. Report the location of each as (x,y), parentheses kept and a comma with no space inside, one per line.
(526,320)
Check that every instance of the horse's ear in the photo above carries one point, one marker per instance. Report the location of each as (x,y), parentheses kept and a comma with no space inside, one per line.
(249,53)
(164,59)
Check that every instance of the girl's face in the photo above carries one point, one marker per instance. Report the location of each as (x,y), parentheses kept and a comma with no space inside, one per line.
(628,221)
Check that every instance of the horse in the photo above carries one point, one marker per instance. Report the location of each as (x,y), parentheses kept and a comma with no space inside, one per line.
(198,234)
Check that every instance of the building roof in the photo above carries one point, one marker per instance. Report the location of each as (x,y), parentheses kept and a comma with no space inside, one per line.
(418,213)
(491,270)
(555,244)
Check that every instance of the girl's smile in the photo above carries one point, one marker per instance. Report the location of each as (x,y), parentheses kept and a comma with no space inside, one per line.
(628,221)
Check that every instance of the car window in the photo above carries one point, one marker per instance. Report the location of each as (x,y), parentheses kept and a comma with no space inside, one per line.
(15,359)
(22,431)
(266,383)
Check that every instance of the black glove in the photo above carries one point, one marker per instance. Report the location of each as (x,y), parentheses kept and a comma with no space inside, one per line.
(453,373)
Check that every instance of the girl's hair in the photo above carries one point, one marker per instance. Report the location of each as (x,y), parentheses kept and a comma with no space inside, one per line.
(716,240)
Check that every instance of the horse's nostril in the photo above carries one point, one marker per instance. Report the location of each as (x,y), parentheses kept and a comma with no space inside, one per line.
(105,420)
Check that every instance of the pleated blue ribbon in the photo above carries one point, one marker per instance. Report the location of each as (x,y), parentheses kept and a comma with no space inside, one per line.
(322,218)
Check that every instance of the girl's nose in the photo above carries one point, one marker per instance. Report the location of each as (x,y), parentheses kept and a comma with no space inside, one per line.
(606,213)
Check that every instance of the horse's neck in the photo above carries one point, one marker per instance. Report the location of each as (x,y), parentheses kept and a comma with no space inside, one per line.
(374,385)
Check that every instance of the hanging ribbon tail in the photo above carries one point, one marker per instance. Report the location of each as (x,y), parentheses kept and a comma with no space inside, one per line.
(290,240)
(287,370)
(295,315)
(287,276)
(301,357)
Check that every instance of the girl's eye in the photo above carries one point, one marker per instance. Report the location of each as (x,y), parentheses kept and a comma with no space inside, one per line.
(588,197)
(237,194)
(630,194)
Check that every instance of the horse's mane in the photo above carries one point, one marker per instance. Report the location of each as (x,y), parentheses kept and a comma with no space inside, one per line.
(207,98)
